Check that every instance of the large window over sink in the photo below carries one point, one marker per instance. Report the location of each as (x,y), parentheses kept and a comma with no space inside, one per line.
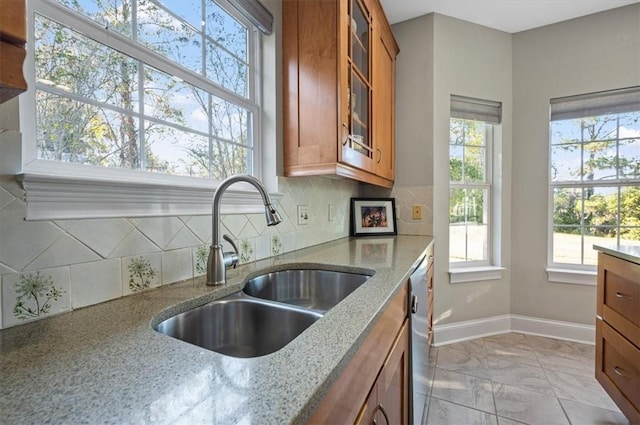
(150,85)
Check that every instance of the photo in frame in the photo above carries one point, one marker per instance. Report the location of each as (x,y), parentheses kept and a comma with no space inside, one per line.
(373,216)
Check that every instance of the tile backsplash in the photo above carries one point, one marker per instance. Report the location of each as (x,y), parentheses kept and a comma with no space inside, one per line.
(50,267)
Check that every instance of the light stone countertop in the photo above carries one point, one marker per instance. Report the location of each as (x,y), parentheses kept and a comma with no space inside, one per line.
(105,364)
(625,252)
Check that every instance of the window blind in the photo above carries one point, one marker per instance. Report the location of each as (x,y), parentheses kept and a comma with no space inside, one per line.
(255,12)
(593,104)
(468,108)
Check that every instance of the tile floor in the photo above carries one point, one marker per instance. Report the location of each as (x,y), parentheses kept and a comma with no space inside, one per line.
(509,379)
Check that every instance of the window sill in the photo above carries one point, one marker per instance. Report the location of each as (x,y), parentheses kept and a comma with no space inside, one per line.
(577,277)
(475,274)
(55,197)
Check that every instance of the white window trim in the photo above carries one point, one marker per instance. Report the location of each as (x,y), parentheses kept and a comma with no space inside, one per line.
(577,277)
(475,274)
(75,191)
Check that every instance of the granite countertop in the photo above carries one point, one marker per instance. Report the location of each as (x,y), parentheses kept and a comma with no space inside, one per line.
(625,252)
(105,364)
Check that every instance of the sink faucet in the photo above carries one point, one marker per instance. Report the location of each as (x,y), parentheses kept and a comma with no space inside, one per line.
(219,260)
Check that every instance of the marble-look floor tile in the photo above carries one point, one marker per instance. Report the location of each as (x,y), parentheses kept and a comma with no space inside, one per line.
(519,353)
(463,389)
(463,362)
(584,414)
(442,412)
(527,406)
(540,343)
(472,347)
(505,421)
(578,363)
(577,388)
(521,375)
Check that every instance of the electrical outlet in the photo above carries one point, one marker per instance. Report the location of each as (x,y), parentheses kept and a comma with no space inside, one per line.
(332,212)
(416,212)
(303,214)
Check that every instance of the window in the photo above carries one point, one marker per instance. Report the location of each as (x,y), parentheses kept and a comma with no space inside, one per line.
(594,175)
(470,181)
(143,90)
(162,87)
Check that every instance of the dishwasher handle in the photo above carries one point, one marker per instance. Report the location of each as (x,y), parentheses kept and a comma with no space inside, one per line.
(414,303)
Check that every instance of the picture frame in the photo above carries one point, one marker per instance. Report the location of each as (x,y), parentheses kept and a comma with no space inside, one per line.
(373,217)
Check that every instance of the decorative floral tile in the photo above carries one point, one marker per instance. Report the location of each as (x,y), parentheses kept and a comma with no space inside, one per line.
(247,250)
(141,272)
(276,245)
(200,258)
(34,295)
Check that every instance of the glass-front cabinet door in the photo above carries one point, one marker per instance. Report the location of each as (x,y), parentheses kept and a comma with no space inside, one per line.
(357,145)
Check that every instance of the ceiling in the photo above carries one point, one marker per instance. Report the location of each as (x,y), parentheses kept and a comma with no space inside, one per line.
(506,15)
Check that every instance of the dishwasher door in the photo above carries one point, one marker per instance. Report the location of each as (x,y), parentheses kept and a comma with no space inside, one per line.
(419,286)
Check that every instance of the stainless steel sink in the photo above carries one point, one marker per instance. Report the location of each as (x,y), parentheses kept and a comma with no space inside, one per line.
(239,326)
(309,288)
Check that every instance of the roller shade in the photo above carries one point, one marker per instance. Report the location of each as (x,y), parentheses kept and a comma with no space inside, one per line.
(594,104)
(468,108)
(255,12)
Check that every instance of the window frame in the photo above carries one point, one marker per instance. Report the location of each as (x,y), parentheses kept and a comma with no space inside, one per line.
(57,190)
(584,274)
(487,185)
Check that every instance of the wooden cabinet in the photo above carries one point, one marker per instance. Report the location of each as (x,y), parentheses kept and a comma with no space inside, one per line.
(388,401)
(618,333)
(376,380)
(339,78)
(12,52)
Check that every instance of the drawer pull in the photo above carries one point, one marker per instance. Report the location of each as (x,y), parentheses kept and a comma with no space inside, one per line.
(624,296)
(621,372)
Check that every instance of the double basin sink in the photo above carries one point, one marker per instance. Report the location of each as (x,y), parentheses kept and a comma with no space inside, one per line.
(270,311)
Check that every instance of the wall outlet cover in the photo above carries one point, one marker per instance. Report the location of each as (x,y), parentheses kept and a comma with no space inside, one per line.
(303,214)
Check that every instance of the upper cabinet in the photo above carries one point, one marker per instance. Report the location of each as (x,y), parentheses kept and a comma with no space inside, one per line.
(339,78)
(12,52)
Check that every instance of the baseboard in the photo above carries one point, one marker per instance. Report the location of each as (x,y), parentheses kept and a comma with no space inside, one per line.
(479,328)
(470,329)
(567,331)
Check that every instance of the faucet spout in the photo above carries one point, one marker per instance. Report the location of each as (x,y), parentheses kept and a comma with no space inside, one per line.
(219,260)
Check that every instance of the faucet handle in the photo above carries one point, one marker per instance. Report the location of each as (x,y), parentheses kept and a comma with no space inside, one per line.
(233,257)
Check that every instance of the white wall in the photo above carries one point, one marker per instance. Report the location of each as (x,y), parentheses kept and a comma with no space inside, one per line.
(440,56)
(593,53)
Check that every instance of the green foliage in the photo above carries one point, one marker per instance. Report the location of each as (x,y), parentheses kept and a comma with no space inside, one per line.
(34,295)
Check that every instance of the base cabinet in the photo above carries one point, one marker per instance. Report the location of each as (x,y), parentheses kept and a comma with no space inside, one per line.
(374,386)
(388,401)
(618,333)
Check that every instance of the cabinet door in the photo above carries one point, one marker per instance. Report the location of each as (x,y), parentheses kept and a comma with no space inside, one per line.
(384,55)
(357,149)
(393,383)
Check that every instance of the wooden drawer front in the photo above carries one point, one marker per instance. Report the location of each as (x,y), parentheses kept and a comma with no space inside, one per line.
(618,370)
(623,296)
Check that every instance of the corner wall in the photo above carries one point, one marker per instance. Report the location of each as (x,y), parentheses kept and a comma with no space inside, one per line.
(440,56)
(593,53)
